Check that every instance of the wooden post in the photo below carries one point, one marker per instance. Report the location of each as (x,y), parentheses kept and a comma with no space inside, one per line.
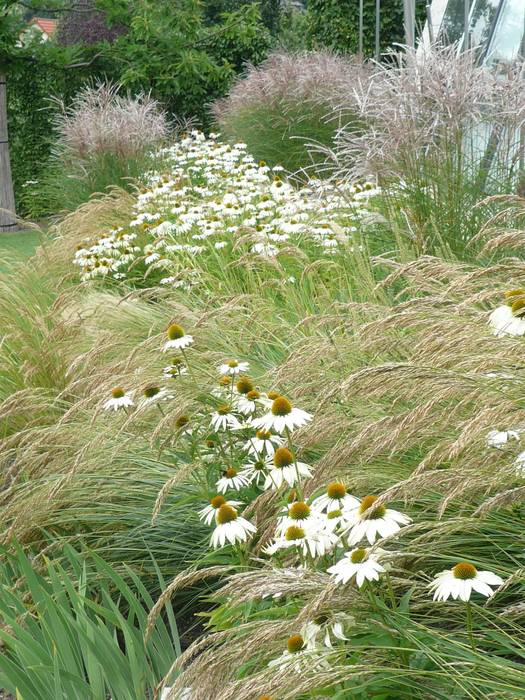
(7,197)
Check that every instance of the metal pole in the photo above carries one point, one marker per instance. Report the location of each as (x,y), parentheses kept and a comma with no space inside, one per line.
(429,23)
(361,28)
(378,27)
(409,19)
(466,16)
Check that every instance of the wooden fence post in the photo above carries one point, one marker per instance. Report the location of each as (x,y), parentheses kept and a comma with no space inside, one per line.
(7,197)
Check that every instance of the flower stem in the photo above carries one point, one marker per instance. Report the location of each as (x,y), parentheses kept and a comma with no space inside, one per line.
(468,610)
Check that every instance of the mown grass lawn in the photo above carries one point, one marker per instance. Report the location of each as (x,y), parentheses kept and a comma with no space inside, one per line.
(21,244)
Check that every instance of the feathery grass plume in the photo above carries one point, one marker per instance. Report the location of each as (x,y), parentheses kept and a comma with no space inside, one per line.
(100,120)
(105,139)
(289,102)
(442,133)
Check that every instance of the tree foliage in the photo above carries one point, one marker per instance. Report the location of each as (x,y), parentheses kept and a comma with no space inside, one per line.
(184,60)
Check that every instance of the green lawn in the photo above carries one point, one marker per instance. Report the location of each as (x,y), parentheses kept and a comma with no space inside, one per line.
(21,244)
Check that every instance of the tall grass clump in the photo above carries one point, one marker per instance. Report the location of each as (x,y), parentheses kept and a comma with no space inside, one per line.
(442,133)
(290,101)
(104,138)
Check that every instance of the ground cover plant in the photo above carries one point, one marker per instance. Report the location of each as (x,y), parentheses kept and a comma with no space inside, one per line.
(268,404)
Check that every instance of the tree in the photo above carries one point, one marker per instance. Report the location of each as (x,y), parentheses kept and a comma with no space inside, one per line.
(171,48)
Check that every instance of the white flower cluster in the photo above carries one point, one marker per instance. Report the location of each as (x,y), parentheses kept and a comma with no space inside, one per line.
(211,194)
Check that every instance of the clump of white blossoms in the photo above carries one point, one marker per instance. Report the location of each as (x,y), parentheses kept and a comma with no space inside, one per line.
(119,399)
(462,580)
(224,191)
(509,318)
(358,564)
(372,521)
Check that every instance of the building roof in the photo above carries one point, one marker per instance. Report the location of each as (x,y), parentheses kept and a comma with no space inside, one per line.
(48,26)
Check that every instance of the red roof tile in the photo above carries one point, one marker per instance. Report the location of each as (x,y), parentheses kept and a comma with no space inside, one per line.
(46,25)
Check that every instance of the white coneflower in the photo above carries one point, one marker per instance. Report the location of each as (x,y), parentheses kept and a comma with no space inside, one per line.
(224,419)
(154,394)
(282,416)
(207,514)
(509,319)
(243,385)
(297,656)
(257,470)
(264,442)
(119,399)
(326,628)
(285,469)
(373,521)
(461,580)
(233,367)
(177,338)
(176,369)
(231,479)
(358,563)
(249,403)
(310,538)
(297,513)
(336,497)
(230,527)
(498,438)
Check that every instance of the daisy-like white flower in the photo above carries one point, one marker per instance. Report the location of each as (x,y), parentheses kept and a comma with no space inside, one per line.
(154,394)
(326,628)
(119,399)
(509,319)
(249,403)
(336,497)
(310,538)
(264,442)
(176,369)
(233,367)
(224,419)
(373,522)
(461,580)
(297,513)
(244,385)
(498,438)
(285,469)
(358,564)
(177,338)
(297,656)
(208,514)
(231,479)
(256,471)
(230,527)
(282,416)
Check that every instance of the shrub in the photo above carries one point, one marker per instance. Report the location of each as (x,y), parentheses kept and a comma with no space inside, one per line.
(289,102)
